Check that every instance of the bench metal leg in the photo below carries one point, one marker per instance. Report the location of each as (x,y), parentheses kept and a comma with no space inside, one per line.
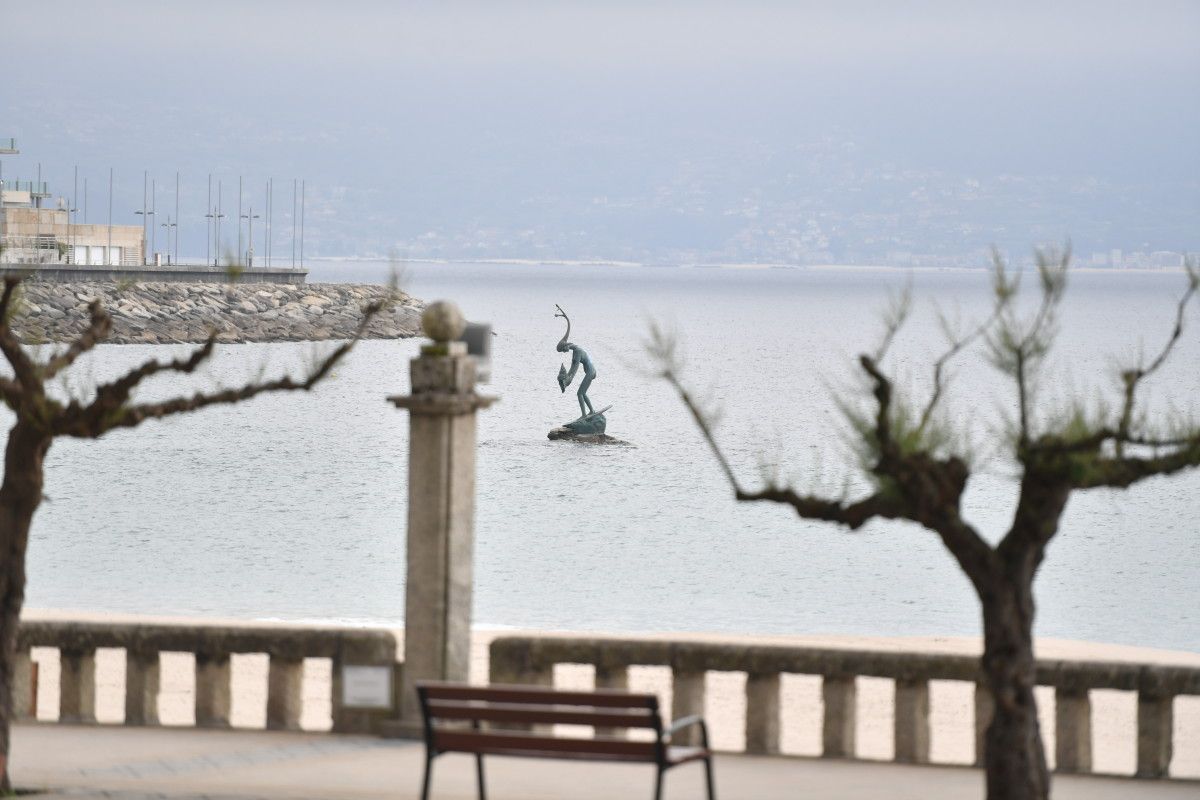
(428,775)
(658,784)
(479,771)
(708,774)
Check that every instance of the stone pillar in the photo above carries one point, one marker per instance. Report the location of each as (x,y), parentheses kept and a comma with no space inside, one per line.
(911,723)
(24,690)
(687,698)
(141,688)
(1154,746)
(285,693)
(841,703)
(984,708)
(1072,730)
(441,507)
(77,686)
(762,713)
(212,690)
(611,677)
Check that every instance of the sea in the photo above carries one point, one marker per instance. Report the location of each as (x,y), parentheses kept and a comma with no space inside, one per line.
(293,506)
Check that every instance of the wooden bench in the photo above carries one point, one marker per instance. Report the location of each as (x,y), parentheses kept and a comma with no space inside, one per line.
(500,720)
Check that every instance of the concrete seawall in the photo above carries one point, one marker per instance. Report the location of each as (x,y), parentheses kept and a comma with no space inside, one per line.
(176,312)
(176,273)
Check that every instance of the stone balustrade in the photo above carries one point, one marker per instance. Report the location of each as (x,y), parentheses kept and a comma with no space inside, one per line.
(286,647)
(531,660)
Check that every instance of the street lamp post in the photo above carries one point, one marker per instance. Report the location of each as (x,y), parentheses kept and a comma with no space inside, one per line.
(215,217)
(250,216)
(145,215)
(169,225)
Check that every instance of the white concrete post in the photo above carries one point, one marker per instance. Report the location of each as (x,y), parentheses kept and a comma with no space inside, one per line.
(441,507)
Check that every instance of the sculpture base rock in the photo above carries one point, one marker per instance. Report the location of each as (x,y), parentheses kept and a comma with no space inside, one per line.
(567,435)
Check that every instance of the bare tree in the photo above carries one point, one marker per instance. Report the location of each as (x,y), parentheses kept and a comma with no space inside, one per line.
(41,418)
(914,474)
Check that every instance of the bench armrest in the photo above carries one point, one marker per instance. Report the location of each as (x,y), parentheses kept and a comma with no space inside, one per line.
(686,722)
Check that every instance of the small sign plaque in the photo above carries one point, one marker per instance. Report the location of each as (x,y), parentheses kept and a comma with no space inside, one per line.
(366,687)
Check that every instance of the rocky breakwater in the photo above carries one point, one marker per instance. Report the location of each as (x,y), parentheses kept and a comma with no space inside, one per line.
(170,313)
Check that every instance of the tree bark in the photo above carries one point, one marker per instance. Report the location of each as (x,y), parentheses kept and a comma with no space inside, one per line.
(1014,757)
(20,495)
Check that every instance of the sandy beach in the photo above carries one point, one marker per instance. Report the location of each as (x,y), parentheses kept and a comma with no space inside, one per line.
(1114,712)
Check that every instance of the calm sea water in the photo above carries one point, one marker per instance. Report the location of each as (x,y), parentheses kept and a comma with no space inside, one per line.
(293,506)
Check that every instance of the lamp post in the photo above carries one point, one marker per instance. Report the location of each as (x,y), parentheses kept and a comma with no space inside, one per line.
(250,216)
(169,225)
(145,214)
(215,215)
(145,184)
(241,217)
(208,227)
(70,235)
(176,223)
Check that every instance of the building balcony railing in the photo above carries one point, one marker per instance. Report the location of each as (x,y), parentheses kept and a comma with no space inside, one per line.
(531,660)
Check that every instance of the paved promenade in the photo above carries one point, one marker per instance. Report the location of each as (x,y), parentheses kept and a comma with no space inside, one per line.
(142,763)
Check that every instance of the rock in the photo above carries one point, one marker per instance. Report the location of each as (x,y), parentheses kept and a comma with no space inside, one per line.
(567,435)
(173,312)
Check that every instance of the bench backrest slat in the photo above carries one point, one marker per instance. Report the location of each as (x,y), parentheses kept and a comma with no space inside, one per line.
(509,742)
(601,698)
(529,713)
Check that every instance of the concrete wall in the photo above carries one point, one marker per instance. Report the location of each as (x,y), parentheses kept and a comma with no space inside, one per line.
(70,273)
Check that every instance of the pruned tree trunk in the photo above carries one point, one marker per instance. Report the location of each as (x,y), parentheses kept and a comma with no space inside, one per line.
(1014,757)
(20,495)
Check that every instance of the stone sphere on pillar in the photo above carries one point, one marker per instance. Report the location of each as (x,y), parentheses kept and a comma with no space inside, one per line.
(442,321)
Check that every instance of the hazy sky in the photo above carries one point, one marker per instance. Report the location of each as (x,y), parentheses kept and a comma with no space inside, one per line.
(417,118)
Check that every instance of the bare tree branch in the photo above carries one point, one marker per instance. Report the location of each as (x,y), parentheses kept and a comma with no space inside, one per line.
(894,317)
(102,415)
(97,331)
(1133,378)
(917,487)
(1004,290)
(1124,471)
(22,364)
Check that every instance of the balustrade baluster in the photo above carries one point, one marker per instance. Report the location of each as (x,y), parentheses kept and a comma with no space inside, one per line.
(1155,719)
(1072,730)
(687,698)
(24,687)
(984,707)
(142,676)
(77,686)
(285,693)
(841,707)
(762,713)
(611,677)
(911,722)
(213,676)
